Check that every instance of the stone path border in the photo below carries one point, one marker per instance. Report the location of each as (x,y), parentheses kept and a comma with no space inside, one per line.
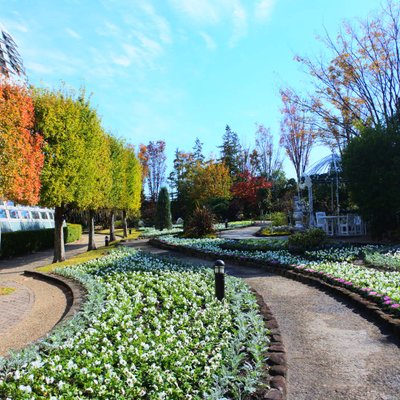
(370,309)
(276,354)
(74,292)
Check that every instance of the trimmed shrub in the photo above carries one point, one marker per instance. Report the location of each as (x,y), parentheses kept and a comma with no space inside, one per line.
(279,219)
(24,242)
(200,224)
(72,233)
(308,240)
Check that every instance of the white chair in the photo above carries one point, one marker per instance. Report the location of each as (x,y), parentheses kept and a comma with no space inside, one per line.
(359,227)
(343,225)
(321,221)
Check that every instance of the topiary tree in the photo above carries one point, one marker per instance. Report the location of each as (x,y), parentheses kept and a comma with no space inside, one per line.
(133,187)
(21,155)
(59,119)
(163,212)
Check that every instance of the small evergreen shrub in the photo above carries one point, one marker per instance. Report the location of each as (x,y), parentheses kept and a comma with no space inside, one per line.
(163,211)
(200,224)
(72,233)
(308,240)
(279,219)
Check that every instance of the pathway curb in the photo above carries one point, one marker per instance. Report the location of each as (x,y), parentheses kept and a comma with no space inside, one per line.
(74,292)
(276,354)
(369,308)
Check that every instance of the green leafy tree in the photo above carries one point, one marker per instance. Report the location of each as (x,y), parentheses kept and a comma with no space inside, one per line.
(118,175)
(163,212)
(133,187)
(58,118)
(95,177)
(371,165)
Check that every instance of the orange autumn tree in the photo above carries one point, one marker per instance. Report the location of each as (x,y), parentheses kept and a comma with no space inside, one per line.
(21,156)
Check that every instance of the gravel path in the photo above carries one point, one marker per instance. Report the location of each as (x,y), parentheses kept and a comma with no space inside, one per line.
(333,352)
(241,233)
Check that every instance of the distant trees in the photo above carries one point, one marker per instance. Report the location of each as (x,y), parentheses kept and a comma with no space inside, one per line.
(252,190)
(211,181)
(358,84)
(231,151)
(21,155)
(268,156)
(297,137)
(153,161)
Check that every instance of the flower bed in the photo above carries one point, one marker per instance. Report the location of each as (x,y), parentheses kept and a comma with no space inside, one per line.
(382,287)
(156,331)
(390,259)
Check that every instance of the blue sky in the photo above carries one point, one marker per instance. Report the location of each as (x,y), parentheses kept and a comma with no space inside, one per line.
(177,69)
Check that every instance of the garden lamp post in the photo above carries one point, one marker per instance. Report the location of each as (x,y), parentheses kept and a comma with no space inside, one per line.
(107,242)
(219,271)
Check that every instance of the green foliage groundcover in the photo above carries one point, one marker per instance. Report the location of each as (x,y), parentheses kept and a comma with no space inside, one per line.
(23,242)
(157,332)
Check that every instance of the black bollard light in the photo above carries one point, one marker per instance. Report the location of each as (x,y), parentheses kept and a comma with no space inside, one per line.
(219,270)
(226,224)
(130,231)
(106,241)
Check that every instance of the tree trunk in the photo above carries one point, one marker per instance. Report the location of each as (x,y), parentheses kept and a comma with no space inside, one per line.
(92,243)
(124,223)
(59,248)
(112,226)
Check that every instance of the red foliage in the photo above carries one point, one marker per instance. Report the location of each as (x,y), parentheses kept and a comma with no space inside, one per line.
(21,156)
(248,187)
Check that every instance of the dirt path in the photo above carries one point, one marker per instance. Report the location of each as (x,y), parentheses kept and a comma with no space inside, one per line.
(333,352)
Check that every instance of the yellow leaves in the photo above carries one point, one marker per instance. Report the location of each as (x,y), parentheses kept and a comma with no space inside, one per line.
(211,181)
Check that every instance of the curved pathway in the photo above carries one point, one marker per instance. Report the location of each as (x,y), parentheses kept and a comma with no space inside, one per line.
(333,352)
(241,233)
(36,306)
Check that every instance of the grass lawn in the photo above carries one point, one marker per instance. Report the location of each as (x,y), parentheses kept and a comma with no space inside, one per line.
(79,258)
(119,232)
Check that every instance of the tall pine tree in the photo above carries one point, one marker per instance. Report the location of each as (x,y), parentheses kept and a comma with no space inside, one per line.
(231,151)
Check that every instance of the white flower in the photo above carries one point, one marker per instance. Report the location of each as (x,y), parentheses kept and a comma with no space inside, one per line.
(26,389)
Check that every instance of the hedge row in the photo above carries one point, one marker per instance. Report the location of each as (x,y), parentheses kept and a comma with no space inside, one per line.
(23,242)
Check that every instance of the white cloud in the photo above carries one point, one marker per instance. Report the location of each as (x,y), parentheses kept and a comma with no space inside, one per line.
(70,32)
(263,9)
(207,11)
(159,22)
(209,41)
(38,68)
(239,17)
(213,12)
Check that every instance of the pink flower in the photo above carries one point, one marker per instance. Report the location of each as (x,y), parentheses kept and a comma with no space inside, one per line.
(395,305)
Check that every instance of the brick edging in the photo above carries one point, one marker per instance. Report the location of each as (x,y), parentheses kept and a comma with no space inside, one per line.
(74,292)
(276,354)
(372,311)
